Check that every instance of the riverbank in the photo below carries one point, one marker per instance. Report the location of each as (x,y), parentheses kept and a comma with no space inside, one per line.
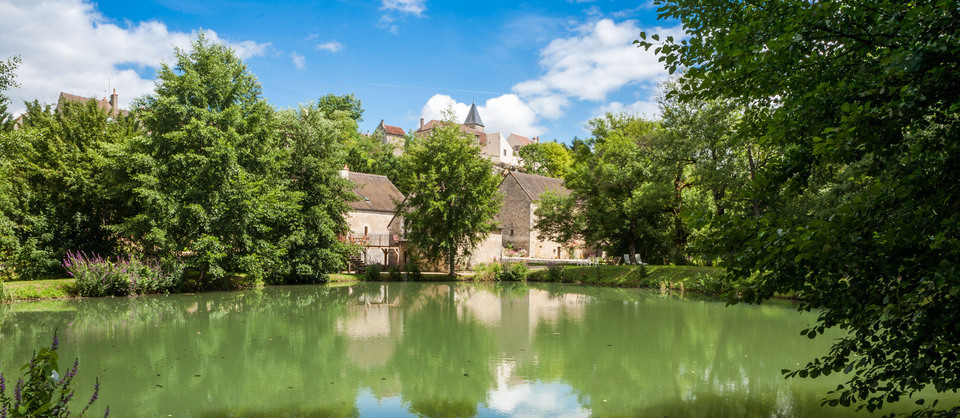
(692,278)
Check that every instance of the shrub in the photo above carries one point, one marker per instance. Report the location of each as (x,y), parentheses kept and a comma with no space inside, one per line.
(44,393)
(395,274)
(99,276)
(554,273)
(514,272)
(413,271)
(487,272)
(373,272)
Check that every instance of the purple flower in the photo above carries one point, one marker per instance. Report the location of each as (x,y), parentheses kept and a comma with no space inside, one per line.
(56,342)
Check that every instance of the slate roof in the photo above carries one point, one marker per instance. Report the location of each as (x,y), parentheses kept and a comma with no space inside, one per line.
(534,185)
(473,117)
(375,193)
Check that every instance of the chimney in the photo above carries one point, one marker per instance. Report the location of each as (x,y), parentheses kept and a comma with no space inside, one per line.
(114,103)
(345,172)
(421,123)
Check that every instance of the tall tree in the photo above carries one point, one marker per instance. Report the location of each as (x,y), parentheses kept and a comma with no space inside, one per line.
(207,178)
(858,215)
(310,236)
(620,197)
(453,194)
(8,69)
(549,159)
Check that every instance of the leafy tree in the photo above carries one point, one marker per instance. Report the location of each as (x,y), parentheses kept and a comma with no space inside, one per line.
(310,238)
(7,80)
(59,198)
(368,154)
(338,107)
(453,194)
(207,178)
(858,214)
(620,197)
(549,159)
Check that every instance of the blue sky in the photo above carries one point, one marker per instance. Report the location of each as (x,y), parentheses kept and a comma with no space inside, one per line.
(541,68)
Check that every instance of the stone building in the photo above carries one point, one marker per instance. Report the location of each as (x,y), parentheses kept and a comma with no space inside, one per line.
(494,145)
(370,215)
(393,135)
(521,197)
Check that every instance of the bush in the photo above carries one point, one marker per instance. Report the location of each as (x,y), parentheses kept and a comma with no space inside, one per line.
(413,271)
(43,393)
(554,273)
(373,272)
(487,272)
(98,276)
(514,272)
(395,274)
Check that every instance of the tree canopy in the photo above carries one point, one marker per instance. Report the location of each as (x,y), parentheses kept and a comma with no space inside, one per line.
(857,213)
(452,196)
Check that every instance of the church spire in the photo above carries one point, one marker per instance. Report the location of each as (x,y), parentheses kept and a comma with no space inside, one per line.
(473,117)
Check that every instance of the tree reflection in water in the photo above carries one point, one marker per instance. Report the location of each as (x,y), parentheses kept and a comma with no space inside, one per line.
(447,349)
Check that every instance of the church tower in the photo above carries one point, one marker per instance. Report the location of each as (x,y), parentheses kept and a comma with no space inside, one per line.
(473,119)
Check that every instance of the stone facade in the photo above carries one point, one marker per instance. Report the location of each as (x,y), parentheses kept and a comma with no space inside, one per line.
(521,195)
(370,216)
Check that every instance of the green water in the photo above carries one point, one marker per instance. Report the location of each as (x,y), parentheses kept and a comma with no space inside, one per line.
(403,349)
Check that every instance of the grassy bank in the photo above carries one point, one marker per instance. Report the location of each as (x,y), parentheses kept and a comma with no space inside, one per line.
(39,289)
(699,279)
(694,278)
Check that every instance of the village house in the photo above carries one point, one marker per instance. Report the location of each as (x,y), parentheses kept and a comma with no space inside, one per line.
(495,146)
(393,135)
(369,218)
(111,107)
(521,196)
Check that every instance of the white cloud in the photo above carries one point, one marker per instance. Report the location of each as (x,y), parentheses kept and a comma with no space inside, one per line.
(67,45)
(394,8)
(505,114)
(599,60)
(414,7)
(332,46)
(649,109)
(298,60)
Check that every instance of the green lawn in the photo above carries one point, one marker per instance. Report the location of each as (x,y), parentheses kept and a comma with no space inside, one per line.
(39,289)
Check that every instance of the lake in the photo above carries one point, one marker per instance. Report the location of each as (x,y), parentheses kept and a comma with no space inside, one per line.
(447,349)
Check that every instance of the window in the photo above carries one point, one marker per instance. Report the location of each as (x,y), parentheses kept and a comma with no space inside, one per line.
(504,153)
(511,232)
(366,230)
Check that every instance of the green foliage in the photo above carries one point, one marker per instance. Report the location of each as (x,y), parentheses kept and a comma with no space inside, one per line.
(858,212)
(43,392)
(310,245)
(549,159)
(620,196)
(123,276)
(452,194)
(394,273)
(487,272)
(56,186)
(336,107)
(372,272)
(206,179)
(512,272)
(7,80)
(413,270)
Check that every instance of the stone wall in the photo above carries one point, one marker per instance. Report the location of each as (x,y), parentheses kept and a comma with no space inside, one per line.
(515,216)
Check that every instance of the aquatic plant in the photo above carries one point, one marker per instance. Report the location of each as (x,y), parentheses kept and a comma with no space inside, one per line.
(42,392)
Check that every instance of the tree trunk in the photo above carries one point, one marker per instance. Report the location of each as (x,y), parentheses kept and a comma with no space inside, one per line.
(753,177)
(453,258)
(633,250)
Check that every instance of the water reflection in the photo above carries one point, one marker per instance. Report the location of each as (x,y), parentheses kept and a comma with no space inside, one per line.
(427,349)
